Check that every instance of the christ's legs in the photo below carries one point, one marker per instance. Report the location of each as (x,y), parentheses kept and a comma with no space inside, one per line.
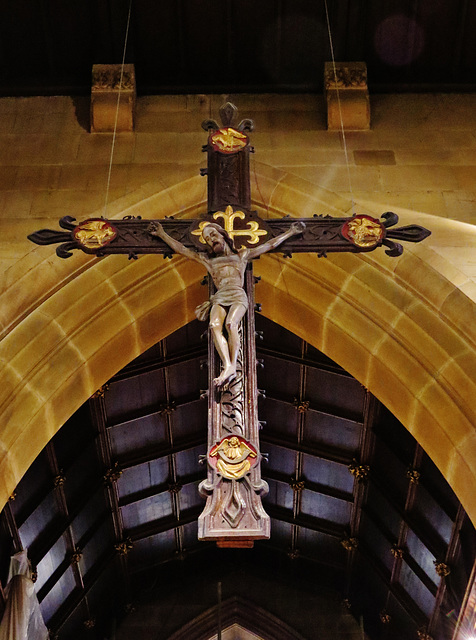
(217,319)
(232,323)
(227,349)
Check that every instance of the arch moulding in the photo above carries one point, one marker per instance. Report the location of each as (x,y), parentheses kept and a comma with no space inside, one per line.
(403,327)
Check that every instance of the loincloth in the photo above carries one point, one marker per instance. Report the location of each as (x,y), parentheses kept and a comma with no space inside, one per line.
(224,297)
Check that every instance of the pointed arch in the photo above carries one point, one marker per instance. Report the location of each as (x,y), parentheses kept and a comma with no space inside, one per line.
(236,611)
(404,328)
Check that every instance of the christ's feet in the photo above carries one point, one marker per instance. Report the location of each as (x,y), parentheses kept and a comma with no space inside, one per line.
(226,376)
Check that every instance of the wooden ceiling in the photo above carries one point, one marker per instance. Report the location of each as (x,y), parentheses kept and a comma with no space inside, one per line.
(118,485)
(184,46)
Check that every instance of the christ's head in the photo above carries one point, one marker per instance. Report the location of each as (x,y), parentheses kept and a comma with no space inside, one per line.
(217,239)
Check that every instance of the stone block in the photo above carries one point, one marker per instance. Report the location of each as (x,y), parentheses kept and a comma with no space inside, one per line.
(107,91)
(347,95)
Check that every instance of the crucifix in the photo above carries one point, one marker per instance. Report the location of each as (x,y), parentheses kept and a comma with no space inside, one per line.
(224,241)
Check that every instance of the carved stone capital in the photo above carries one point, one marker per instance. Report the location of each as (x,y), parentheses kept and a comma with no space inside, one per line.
(345,75)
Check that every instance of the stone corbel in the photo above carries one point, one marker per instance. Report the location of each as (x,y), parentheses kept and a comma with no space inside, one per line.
(105,89)
(347,85)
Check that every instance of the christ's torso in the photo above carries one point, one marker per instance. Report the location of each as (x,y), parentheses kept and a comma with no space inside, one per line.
(228,270)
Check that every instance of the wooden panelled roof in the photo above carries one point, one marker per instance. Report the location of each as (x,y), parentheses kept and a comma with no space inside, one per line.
(184,46)
(110,506)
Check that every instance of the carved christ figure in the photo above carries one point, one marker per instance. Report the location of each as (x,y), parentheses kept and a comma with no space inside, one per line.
(227,266)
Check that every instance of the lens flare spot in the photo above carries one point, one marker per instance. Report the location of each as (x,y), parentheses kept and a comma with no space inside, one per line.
(399,40)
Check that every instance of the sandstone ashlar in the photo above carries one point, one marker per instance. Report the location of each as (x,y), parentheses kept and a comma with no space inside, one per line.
(347,94)
(110,84)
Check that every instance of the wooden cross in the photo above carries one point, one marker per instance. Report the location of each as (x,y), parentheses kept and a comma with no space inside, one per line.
(233,236)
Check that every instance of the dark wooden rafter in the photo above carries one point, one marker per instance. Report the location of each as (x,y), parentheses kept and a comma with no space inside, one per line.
(366,444)
(155,527)
(395,589)
(308,522)
(302,359)
(454,548)
(154,490)
(137,369)
(12,528)
(414,566)
(467,618)
(147,413)
(40,547)
(66,562)
(79,596)
(325,490)
(298,482)
(99,419)
(173,484)
(430,539)
(326,452)
(60,498)
(151,453)
(404,527)
(278,513)
(324,560)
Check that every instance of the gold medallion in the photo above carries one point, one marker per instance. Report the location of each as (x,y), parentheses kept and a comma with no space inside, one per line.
(228,140)
(364,231)
(233,457)
(94,233)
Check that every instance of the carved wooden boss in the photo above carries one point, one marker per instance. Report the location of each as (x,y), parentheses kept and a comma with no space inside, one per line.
(233,515)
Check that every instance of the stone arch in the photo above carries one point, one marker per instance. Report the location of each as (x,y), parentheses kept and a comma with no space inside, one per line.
(404,328)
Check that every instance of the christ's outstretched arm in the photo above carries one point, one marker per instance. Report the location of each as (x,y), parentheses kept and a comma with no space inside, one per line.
(295,229)
(156,229)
